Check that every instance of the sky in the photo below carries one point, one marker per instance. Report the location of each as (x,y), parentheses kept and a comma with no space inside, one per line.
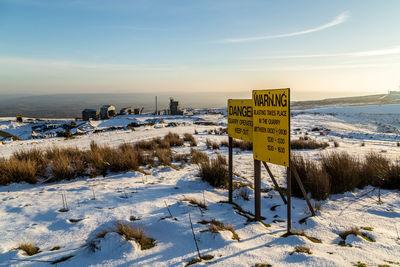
(319,49)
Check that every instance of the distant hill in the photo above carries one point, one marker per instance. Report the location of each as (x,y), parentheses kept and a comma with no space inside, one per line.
(71,105)
(391,98)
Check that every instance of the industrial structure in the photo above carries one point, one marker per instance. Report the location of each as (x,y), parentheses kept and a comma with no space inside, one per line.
(107,111)
(174,107)
(126,111)
(90,114)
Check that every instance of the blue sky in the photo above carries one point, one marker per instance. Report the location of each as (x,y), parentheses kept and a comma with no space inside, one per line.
(317,48)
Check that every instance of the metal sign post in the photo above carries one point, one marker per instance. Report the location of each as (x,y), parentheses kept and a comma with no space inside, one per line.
(289,177)
(271,134)
(230,161)
(288,197)
(257,190)
(240,126)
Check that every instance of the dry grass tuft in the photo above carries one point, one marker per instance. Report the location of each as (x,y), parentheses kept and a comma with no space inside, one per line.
(215,172)
(173,139)
(340,172)
(374,170)
(217,226)
(313,176)
(187,137)
(336,143)
(34,155)
(128,232)
(61,168)
(16,171)
(164,156)
(138,234)
(307,144)
(351,231)
(343,171)
(181,157)
(302,233)
(198,156)
(243,145)
(211,144)
(29,249)
(197,260)
(302,249)
(195,202)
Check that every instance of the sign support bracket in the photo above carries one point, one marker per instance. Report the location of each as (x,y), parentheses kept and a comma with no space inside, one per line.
(296,175)
(275,182)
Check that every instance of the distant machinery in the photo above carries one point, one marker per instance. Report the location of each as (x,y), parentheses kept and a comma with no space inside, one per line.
(174,107)
(138,111)
(107,111)
(126,111)
(90,114)
(19,118)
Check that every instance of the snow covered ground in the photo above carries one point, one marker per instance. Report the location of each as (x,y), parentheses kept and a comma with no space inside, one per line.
(30,213)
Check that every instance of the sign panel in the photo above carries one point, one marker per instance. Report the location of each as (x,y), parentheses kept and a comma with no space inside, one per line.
(271,126)
(240,119)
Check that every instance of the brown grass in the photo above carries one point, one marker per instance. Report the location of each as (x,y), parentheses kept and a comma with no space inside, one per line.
(137,234)
(313,176)
(374,170)
(198,156)
(336,143)
(243,145)
(343,171)
(392,177)
(128,232)
(211,144)
(195,202)
(307,144)
(34,155)
(173,139)
(164,156)
(217,226)
(16,171)
(302,249)
(187,137)
(29,249)
(340,172)
(61,168)
(302,233)
(351,231)
(215,172)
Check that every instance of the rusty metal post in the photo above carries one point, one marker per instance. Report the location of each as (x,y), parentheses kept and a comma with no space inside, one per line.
(257,190)
(230,169)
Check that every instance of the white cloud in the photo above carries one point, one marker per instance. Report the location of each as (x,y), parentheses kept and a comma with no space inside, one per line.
(395,50)
(336,21)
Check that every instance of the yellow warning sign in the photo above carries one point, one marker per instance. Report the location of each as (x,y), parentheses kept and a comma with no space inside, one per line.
(240,119)
(271,126)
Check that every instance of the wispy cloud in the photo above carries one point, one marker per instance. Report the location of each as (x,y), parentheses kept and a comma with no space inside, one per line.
(65,64)
(395,50)
(336,21)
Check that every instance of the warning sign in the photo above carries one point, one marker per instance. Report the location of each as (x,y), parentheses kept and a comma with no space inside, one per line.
(271,126)
(240,119)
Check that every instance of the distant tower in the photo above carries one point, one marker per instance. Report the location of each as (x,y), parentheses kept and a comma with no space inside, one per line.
(156,107)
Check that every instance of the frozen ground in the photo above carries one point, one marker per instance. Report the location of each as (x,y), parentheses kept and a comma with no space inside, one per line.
(30,213)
